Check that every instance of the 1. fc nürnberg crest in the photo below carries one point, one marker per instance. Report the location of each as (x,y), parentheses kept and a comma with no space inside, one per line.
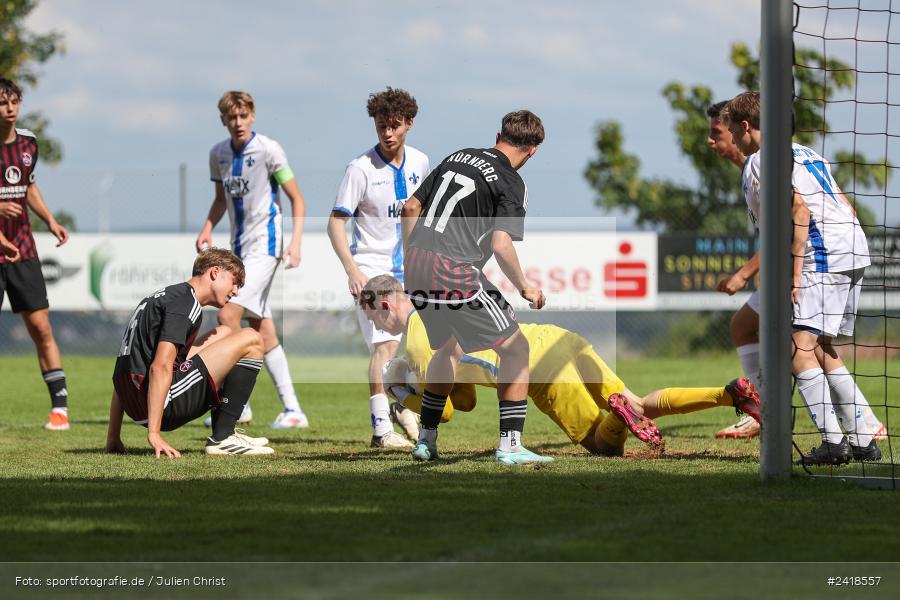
(13,174)
(186,366)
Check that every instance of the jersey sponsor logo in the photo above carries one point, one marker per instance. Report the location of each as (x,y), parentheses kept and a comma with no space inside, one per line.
(26,159)
(15,191)
(185,366)
(13,174)
(236,186)
(625,279)
(394,210)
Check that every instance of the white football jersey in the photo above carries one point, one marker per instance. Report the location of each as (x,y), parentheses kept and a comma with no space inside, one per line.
(373,192)
(836,243)
(750,178)
(251,177)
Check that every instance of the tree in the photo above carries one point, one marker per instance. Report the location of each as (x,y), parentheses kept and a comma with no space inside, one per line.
(717,204)
(62,217)
(21,53)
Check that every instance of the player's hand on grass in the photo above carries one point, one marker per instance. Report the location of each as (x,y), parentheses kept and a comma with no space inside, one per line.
(356,282)
(60,232)
(292,256)
(115,447)
(160,446)
(732,285)
(535,297)
(10,210)
(204,241)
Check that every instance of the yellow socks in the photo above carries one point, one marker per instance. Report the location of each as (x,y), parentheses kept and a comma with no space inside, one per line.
(684,400)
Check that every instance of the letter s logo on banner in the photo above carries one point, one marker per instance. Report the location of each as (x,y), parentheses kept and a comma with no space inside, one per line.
(625,279)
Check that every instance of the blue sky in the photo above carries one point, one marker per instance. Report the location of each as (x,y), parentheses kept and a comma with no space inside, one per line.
(135,94)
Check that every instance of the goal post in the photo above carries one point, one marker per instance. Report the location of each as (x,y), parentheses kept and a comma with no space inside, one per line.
(776,71)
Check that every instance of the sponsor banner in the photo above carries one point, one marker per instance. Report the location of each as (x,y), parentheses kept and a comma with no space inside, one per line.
(578,270)
(884,252)
(691,266)
(115,272)
(696,264)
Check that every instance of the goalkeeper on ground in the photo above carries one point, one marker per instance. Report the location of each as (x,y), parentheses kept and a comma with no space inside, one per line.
(569,382)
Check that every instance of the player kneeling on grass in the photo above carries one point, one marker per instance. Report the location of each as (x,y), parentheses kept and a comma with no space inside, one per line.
(165,377)
(569,382)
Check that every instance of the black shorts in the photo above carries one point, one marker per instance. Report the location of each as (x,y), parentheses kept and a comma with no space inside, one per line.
(483,322)
(192,394)
(24,283)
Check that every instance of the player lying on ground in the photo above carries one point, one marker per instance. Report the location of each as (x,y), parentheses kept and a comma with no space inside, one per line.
(569,382)
(165,377)
(830,254)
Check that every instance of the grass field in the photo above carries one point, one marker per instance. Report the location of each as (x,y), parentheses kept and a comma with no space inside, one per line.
(326,496)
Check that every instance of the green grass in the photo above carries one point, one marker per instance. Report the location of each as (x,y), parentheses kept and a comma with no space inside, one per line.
(326,496)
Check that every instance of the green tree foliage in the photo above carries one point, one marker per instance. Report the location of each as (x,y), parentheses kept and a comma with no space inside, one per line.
(717,204)
(62,217)
(21,53)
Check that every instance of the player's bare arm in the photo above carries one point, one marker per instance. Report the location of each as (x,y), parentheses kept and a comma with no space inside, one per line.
(114,443)
(298,213)
(409,214)
(356,279)
(800,217)
(160,375)
(738,280)
(36,203)
(216,212)
(508,259)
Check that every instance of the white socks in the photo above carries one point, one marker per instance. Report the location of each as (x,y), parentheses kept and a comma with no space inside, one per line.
(813,388)
(749,356)
(277,365)
(381,416)
(510,440)
(428,436)
(852,408)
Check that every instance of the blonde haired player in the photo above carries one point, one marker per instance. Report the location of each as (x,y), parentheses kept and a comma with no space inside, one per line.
(569,382)
(247,170)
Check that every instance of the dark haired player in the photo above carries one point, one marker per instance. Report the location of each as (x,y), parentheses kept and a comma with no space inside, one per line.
(165,377)
(470,208)
(374,188)
(23,281)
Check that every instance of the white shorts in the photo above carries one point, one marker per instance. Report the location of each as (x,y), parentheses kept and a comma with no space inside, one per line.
(259,272)
(828,302)
(753,301)
(371,334)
